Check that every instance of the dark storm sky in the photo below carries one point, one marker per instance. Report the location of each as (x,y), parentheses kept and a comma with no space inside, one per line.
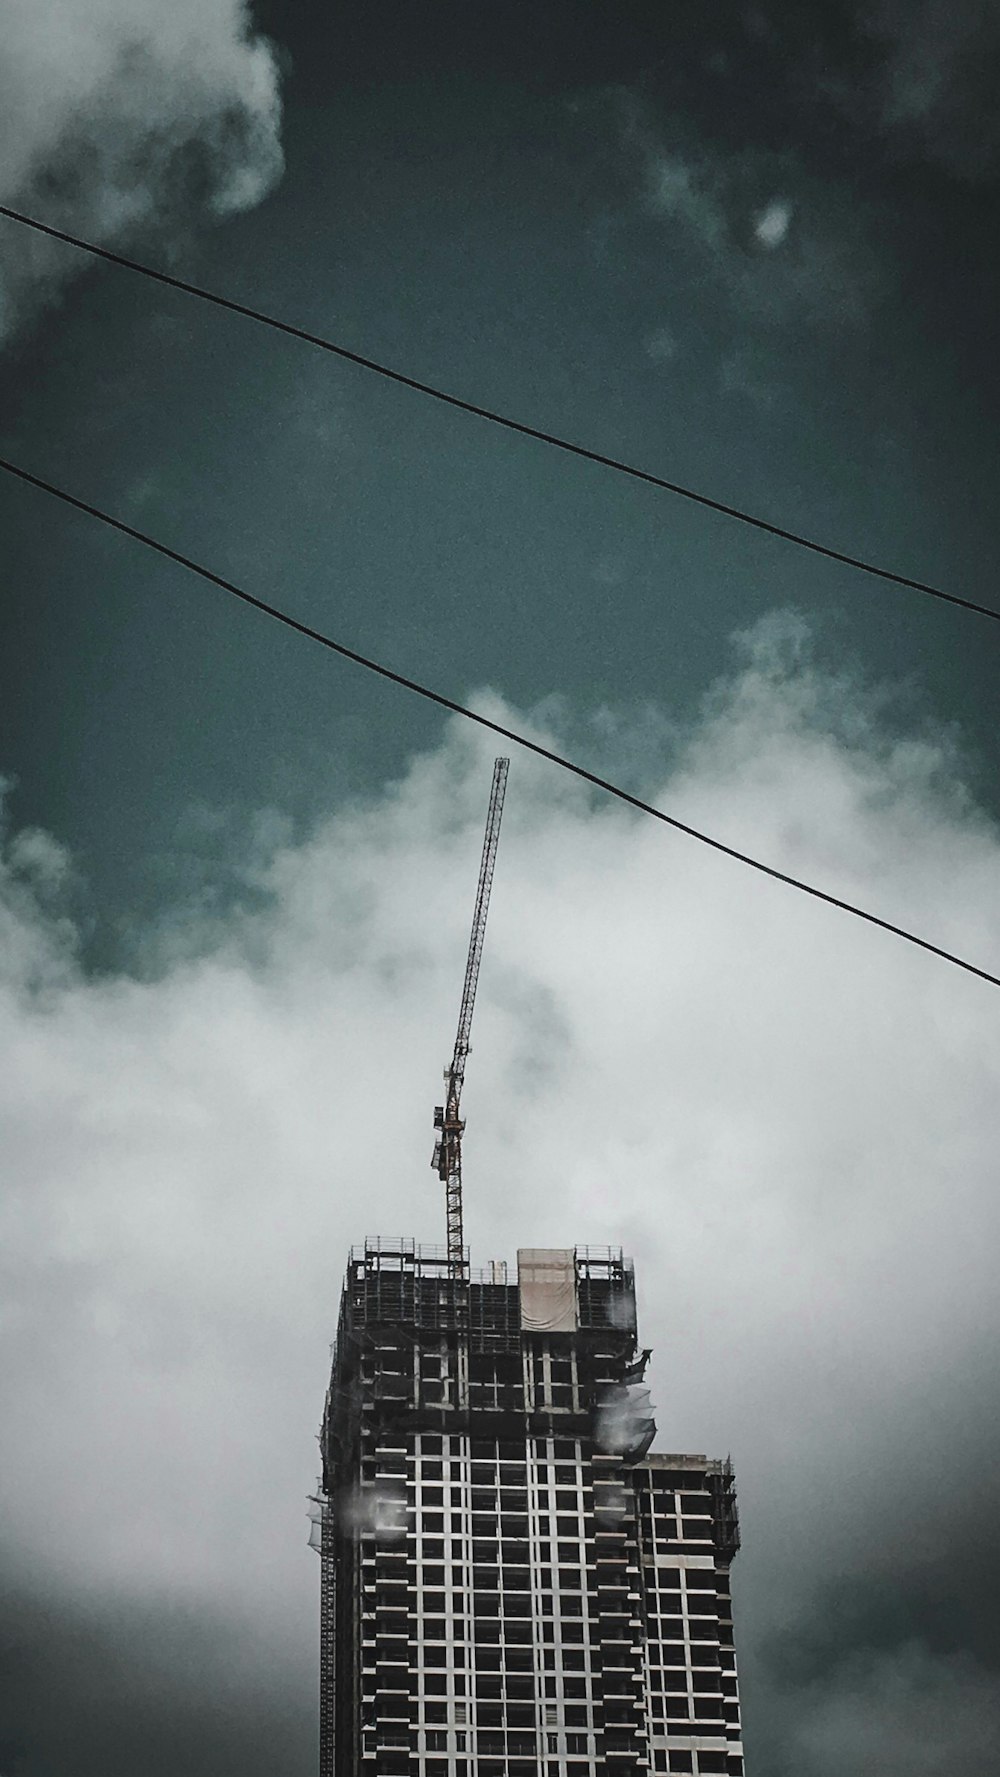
(752,248)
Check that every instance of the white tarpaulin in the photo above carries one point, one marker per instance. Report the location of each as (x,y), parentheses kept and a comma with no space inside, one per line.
(624,1423)
(546,1277)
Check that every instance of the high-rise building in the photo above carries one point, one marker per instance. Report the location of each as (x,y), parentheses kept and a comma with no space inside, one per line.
(511,1584)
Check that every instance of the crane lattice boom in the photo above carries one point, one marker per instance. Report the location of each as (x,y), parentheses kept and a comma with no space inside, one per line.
(447,1159)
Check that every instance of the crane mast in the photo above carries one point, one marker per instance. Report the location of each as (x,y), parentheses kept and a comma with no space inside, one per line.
(447,1160)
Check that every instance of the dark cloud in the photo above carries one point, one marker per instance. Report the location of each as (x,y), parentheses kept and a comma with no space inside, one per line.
(939,81)
(93,1683)
(906,80)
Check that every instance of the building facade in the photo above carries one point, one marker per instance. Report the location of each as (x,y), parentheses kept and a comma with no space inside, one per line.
(511,1584)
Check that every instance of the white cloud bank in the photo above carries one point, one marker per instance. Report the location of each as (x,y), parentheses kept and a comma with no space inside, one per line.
(121,114)
(790,1119)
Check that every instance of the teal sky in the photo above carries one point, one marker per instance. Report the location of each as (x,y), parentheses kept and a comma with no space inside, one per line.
(483,202)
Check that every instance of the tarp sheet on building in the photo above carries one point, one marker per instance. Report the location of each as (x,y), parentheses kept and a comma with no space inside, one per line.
(546,1278)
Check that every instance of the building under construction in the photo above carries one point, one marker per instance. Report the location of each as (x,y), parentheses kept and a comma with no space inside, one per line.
(511,1583)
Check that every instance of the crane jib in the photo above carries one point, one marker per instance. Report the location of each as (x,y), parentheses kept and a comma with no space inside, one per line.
(447,1160)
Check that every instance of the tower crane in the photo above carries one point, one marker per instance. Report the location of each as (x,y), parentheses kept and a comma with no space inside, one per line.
(447,1160)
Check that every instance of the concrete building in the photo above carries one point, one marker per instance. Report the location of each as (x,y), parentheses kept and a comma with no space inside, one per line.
(511,1584)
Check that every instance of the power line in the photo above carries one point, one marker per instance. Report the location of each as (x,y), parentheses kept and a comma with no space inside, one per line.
(460,709)
(500,419)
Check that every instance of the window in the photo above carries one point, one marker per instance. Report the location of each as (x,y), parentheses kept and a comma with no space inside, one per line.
(576,1742)
(521,1715)
(709,1710)
(699,1580)
(520,1684)
(704,1656)
(437,1740)
(520,1659)
(709,1681)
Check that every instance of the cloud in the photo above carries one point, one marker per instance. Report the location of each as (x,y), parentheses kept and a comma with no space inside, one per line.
(662,345)
(904,1715)
(789,1118)
(938,82)
(731,219)
(126,115)
(746,375)
(773,223)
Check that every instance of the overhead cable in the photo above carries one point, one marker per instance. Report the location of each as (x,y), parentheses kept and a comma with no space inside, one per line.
(460,709)
(520,427)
